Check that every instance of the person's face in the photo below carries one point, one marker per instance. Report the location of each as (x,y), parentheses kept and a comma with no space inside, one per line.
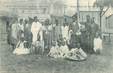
(63,43)
(93,20)
(47,22)
(35,19)
(64,24)
(21,21)
(73,19)
(56,22)
(60,36)
(25,22)
(54,44)
(97,35)
(22,39)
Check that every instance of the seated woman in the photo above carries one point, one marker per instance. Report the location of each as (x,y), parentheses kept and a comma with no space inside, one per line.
(97,44)
(76,54)
(20,47)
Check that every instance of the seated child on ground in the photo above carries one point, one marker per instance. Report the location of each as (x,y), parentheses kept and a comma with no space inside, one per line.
(63,49)
(38,46)
(54,50)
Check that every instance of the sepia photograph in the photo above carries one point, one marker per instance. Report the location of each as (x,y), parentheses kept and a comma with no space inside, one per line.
(56,36)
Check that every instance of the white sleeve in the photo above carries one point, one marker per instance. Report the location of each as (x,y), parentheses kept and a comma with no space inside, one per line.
(41,32)
(100,44)
(41,35)
(32,27)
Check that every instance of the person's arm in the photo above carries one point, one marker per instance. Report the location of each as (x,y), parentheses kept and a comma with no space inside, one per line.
(32,27)
(41,32)
(101,43)
(18,44)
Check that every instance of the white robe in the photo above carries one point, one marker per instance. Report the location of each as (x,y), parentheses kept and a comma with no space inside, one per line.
(97,44)
(14,31)
(65,32)
(36,29)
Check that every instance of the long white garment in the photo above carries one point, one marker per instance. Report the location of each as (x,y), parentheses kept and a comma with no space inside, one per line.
(70,33)
(65,30)
(36,29)
(14,31)
(97,44)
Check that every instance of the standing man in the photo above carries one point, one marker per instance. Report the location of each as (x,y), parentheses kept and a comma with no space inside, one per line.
(91,28)
(57,30)
(65,29)
(14,34)
(85,36)
(21,25)
(27,33)
(37,33)
(94,29)
(20,28)
(75,33)
(75,26)
(36,29)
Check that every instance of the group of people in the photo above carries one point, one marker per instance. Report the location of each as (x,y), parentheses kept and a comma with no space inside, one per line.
(70,41)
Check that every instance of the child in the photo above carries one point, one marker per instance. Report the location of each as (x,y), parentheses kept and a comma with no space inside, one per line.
(38,46)
(53,51)
(97,44)
(20,47)
(63,49)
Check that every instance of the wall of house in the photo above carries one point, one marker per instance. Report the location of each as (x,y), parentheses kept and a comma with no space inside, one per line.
(109,23)
(95,14)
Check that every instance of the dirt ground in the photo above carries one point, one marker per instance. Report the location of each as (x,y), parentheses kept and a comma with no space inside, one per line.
(10,63)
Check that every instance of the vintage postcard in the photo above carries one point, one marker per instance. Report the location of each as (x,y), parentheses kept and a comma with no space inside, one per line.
(56,36)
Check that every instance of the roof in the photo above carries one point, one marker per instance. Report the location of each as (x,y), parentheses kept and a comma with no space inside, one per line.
(110,16)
